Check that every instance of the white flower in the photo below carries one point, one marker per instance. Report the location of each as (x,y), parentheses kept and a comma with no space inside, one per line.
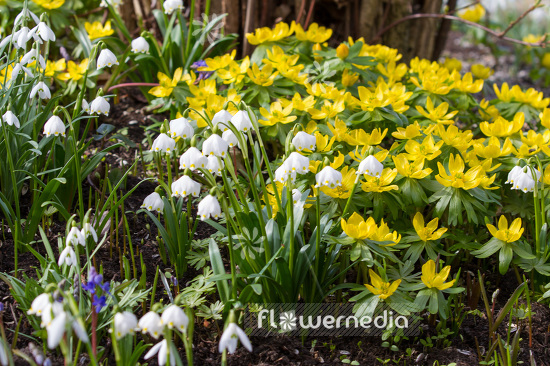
(329,177)
(174,317)
(215,145)
(209,207)
(54,126)
(182,128)
(229,137)
(282,174)
(11,119)
(161,348)
(185,186)
(140,45)
(241,121)
(100,105)
(44,32)
(125,323)
(153,202)
(42,90)
(56,329)
(86,106)
(303,140)
(213,165)
(192,159)
(222,117)
(171,5)
(21,37)
(524,179)
(370,166)
(296,195)
(151,323)
(17,70)
(514,174)
(297,163)
(113,3)
(39,304)
(231,335)
(106,58)
(67,256)
(26,14)
(80,331)
(163,143)
(32,56)
(88,230)
(75,237)
(49,312)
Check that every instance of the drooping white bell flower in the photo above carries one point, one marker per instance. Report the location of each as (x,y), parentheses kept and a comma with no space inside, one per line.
(100,105)
(162,349)
(42,90)
(140,45)
(304,140)
(525,180)
(185,186)
(151,323)
(209,207)
(192,159)
(229,137)
(514,174)
(328,177)
(297,163)
(67,256)
(106,58)
(51,310)
(86,106)
(32,56)
(39,304)
(54,126)
(11,119)
(163,143)
(174,317)
(182,128)
(25,14)
(222,118)
(17,69)
(45,32)
(230,337)
(215,165)
(171,5)
(75,237)
(282,173)
(56,330)
(125,323)
(215,145)
(21,37)
(296,195)
(370,166)
(153,202)
(88,230)
(241,121)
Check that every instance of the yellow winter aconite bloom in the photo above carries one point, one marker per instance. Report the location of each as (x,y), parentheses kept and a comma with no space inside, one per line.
(545,117)
(49,4)
(438,114)
(234,73)
(473,13)
(218,62)
(382,183)
(545,62)
(452,64)
(532,38)
(263,77)
(265,34)
(487,111)
(167,84)
(534,140)
(303,105)
(96,30)
(201,92)
(392,71)
(411,169)
(409,132)
(361,137)
(467,83)
(323,142)
(481,72)
(342,51)
(75,71)
(328,109)
(456,177)
(503,128)
(530,96)
(434,80)
(53,67)
(382,233)
(343,191)
(349,78)
(428,232)
(493,149)
(357,228)
(213,104)
(276,114)
(382,96)
(380,288)
(314,33)
(505,233)
(453,136)
(428,149)
(436,280)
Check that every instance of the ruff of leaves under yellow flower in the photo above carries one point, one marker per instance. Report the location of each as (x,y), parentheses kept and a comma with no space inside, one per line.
(428,232)
(436,280)
(507,234)
(380,288)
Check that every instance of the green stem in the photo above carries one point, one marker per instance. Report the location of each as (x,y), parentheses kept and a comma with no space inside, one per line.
(290,215)
(190,29)
(348,202)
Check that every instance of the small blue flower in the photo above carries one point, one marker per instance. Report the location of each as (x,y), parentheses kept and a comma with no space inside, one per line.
(99,303)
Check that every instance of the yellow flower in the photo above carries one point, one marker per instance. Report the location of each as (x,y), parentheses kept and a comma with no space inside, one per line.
(546,175)
(328,109)
(410,169)
(436,280)
(302,104)
(218,62)
(428,232)
(505,233)
(407,133)
(438,114)
(53,67)
(493,149)
(382,233)
(343,191)
(383,96)
(96,30)
(263,77)
(545,62)
(323,142)
(487,111)
(382,183)
(49,4)
(393,72)
(316,48)
(167,85)
(358,136)
(380,288)
(276,114)
(453,136)
(530,96)
(357,228)
(434,80)
(452,64)
(339,130)
(481,72)
(234,73)
(545,117)
(534,140)
(473,13)
(349,78)
(205,88)
(531,38)
(467,83)
(75,72)
(265,34)
(342,51)
(503,128)
(314,33)
(214,103)
(457,178)
(427,149)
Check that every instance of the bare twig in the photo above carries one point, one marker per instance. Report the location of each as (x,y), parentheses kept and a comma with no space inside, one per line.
(533,7)
(247,21)
(301,11)
(309,13)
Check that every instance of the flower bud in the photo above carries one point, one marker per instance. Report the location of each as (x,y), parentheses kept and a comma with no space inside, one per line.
(342,51)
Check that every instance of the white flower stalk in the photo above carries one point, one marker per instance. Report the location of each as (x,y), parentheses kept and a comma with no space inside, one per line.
(89,231)
(241,121)
(174,317)
(181,128)
(151,323)
(328,177)
(39,304)
(215,165)
(86,106)
(230,337)
(215,145)
(100,105)
(56,330)
(229,137)
(153,202)
(171,5)
(11,119)
(140,45)
(222,118)
(163,143)
(67,257)
(106,59)
(192,159)
(125,323)
(45,32)
(185,186)
(209,207)
(75,237)
(54,126)
(303,141)
(370,166)
(162,349)
(42,90)
(32,56)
